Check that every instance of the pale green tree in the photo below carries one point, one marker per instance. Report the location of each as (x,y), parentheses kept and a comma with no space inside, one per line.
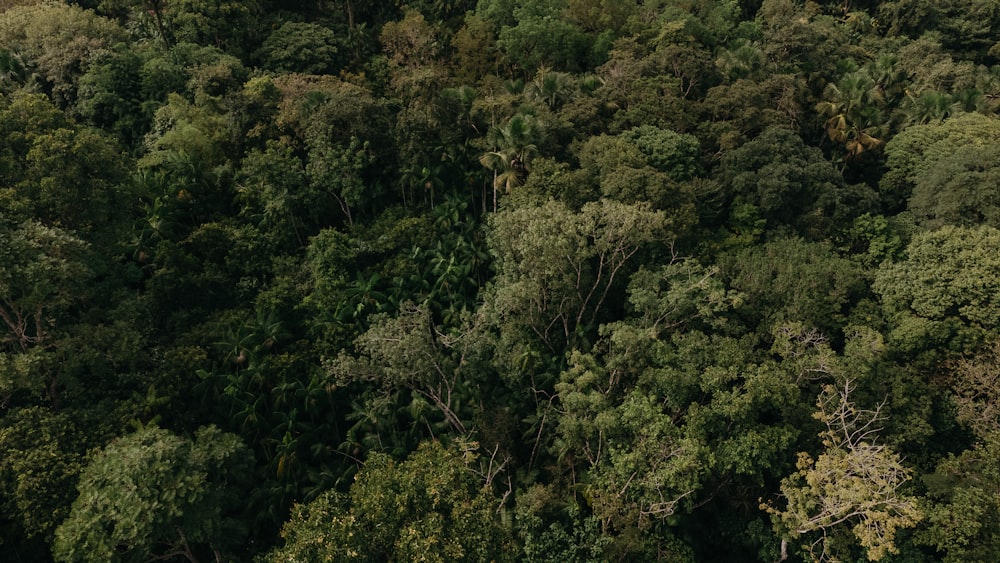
(855,482)
(429,507)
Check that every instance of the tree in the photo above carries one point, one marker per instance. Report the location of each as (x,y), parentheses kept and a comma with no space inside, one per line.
(646,164)
(308,48)
(542,37)
(410,352)
(60,41)
(852,108)
(959,190)
(153,494)
(43,271)
(227,24)
(855,481)
(514,146)
(942,295)
(913,156)
(337,126)
(667,416)
(61,173)
(792,280)
(557,268)
(962,511)
(742,59)
(975,380)
(430,507)
(790,184)
(41,455)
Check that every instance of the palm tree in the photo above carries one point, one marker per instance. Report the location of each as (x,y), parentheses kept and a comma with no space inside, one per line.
(744,59)
(927,107)
(553,88)
(15,71)
(513,148)
(889,78)
(853,110)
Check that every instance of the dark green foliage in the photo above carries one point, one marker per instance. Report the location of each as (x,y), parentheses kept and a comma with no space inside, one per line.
(682,280)
(791,184)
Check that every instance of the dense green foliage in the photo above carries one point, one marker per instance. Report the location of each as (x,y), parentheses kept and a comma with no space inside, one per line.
(499,280)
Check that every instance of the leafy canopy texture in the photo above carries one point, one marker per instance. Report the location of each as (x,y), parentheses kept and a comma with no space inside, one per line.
(430,507)
(946,290)
(153,494)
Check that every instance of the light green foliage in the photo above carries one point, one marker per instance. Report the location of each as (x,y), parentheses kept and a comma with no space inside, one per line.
(960,190)
(668,151)
(558,266)
(187,139)
(338,126)
(59,40)
(963,510)
(933,70)
(42,273)
(337,172)
(680,294)
(946,170)
(855,482)
(155,494)
(650,465)
(967,27)
(922,156)
(430,507)
(553,533)
(41,454)
(877,238)
(270,186)
(541,38)
(645,164)
(667,408)
(227,24)
(550,178)
(409,352)
(329,260)
(308,48)
(944,293)
(56,171)
(168,72)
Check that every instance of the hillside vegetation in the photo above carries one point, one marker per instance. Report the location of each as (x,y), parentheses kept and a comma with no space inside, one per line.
(500,280)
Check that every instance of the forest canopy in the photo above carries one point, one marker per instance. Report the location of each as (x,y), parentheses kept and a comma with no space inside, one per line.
(499,280)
